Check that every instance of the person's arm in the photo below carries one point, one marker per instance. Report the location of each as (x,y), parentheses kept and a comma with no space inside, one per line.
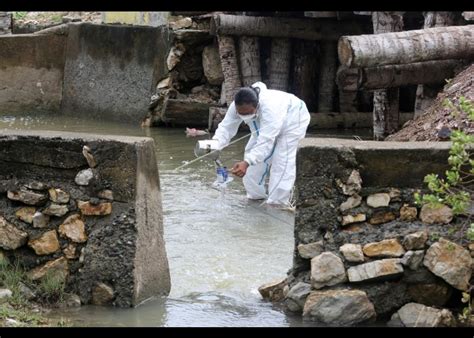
(270,126)
(228,127)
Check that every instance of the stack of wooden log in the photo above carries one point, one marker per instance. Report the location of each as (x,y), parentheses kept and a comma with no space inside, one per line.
(391,58)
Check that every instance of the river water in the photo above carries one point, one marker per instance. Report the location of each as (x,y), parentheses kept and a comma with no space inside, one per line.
(220,247)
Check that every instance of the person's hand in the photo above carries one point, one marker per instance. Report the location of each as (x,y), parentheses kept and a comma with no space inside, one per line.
(240,168)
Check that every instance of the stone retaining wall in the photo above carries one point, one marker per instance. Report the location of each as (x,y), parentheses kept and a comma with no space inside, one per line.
(87,209)
(363,250)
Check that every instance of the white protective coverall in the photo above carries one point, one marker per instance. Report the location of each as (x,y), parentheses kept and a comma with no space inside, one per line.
(280,123)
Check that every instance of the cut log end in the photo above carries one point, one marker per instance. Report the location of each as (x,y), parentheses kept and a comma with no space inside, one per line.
(344,50)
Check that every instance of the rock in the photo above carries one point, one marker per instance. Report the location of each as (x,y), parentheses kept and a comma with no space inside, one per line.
(56,210)
(102,294)
(351,202)
(58,195)
(106,194)
(408,214)
(11,238)
(46,244)
(352,252)
(451,262)
(395,195)
(74,229)
(40,220)
(35,185)
(86,151)
(70,251)
(415,240)
(72,300)
(9,322)
(5,294)
(26,214)
(174,56)
(420,276)
(296,296)
(82,255)
(471,246)
(338,307)
(385,248)
(413,259)
(273,291)
(27,197)
(165,83)
(380,269)
(84,177)
(353,184)
(310,250)
(395,321)
(418,315)
(349,219)
(181,23)
(58,268)
(87,208)
(442,214)
(431,294)
(378,200)
(327,269)
(26,291)
(211,63)
(381,217)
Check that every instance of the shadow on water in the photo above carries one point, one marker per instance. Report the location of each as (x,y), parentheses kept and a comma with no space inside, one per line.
(220,247)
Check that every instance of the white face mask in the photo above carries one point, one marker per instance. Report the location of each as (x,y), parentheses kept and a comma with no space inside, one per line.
(248,118)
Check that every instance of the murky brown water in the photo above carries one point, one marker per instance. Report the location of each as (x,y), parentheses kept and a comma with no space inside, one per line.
(220,248)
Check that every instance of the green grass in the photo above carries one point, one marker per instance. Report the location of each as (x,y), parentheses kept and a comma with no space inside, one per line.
(51,288)
(11,277)
(19,15)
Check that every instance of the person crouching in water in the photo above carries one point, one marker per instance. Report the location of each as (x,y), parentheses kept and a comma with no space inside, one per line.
(278,121)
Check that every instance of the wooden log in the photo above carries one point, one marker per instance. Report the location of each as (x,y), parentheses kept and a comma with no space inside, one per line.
(185,113)
(428,72)
(439,43)
(305,72)
(249,56)
(230,68)
(346,120)
(280,64)
(386,101)
(283,27)
(327,78)
(426,94)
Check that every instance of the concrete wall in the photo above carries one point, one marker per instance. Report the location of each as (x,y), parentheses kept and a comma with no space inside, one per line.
(336,178)
(111,71)
(31,73)
(153,19)
(121,258)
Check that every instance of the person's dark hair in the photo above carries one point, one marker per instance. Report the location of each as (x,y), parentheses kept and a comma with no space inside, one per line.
(247,95)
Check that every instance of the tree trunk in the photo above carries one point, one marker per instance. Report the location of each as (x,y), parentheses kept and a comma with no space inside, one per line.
(282,27)
(280,64)
(439,43)
(305,72)
(428,72)
(348,101)
(230,67)
(249,55)
(216,115)
(425,94)
(386,102)
(327,78)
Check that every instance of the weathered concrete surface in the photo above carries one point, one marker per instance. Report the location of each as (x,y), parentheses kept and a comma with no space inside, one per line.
(31,73)
(124,249)
(111,71)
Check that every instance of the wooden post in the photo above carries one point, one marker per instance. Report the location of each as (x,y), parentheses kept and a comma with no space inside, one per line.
(280,64)
(249,56)
(386,101)
(327,78)
(426,94)
(305,72)
(230,68)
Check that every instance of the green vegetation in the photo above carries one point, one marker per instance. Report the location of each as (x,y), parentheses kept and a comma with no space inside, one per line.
(19,15)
